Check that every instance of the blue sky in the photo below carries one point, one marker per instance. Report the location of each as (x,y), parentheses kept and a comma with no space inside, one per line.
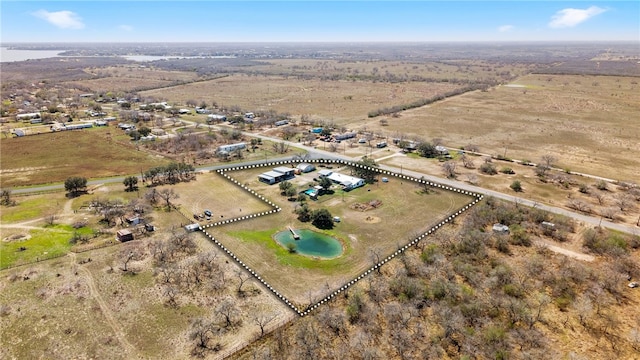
(345,21)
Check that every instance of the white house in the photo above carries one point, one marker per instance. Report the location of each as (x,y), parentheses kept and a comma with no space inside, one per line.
(346,181)
(216,118)
(28,116)
(222,149)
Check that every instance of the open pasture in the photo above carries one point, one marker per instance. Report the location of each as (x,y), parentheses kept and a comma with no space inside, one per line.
(341,101)
(131,78)
(54,157)
(389,70)
(590,123)
(366,236)
(213,192)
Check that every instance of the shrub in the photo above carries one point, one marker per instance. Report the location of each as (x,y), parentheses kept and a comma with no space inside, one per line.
(601,185)
(516,186)
(583,188)
(507,170)
(488,168)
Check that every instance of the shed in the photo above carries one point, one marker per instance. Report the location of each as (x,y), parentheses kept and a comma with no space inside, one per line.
(442,150)
(305,168)
(272,177)
(325,172)
(286,171)
(124,235)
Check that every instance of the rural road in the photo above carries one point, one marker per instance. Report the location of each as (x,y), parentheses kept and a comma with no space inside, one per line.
(315,153)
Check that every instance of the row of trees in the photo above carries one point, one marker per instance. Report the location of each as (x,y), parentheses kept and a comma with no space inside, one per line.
(169,174)
(427,101)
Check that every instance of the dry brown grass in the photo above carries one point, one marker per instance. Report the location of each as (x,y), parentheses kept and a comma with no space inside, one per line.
(341,101)
(131,78)
(589,128)
(90,153)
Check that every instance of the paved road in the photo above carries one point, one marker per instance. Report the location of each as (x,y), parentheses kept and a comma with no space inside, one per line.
(315,153)
(595,221)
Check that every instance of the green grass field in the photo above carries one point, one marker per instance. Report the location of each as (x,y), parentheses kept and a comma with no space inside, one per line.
(44,243)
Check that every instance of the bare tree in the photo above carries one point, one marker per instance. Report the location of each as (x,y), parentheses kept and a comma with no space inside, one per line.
(280,147)
(51,219)
(227,308)
(548,160)
(202,332)
(449,168)
(262,319)
(171,292)
(375,255)
(472,178)
(243,277)
(600,196)
(579,205)
(167,195)
(623,201)
(467,162)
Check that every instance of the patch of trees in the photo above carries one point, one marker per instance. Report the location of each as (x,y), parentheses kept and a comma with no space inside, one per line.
(362,169)
(169,174)
(469,298)
(322,219)
(130,183)
(427,101)
(75,185)
(5,198)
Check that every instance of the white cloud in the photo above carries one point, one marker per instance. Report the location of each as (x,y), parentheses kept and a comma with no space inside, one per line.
(63,19)
(125,27)
(571,17)
(505,28)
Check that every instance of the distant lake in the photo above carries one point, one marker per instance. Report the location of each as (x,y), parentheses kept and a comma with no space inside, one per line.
(143,58)
(11,55)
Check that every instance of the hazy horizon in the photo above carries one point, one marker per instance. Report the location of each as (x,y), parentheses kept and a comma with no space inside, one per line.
(318,21)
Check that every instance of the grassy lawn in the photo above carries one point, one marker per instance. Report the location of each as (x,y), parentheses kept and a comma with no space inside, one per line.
(42,243)
(404,213)
(31,207)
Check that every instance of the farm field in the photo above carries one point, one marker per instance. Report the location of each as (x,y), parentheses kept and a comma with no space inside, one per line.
(589,123)
(404,214)
(124,78)
(54,157)
(340,101)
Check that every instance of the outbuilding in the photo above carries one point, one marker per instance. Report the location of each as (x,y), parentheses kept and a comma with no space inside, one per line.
(192,227)
(124,235)
(305,168)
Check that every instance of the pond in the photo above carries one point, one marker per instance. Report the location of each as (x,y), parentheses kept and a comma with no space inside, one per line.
(311,243)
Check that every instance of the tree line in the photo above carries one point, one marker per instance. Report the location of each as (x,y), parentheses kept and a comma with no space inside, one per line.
(169,174)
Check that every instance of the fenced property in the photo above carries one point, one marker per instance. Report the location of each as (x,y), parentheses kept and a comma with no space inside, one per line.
(251,259)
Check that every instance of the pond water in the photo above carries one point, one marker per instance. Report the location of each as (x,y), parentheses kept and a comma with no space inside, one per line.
(311,243)
(13,55)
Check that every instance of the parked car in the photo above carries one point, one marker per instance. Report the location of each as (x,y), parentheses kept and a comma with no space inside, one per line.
(208,213)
